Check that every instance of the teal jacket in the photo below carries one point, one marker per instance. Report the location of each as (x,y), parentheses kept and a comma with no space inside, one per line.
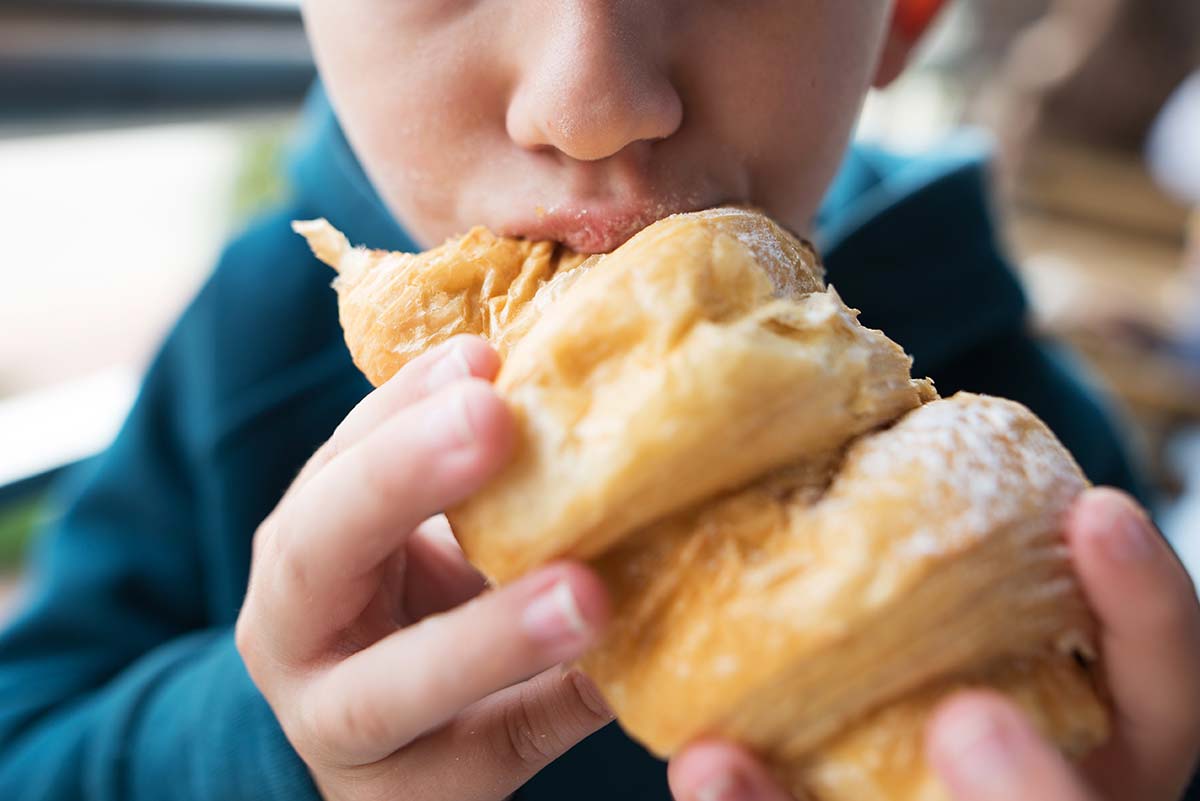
(120,681)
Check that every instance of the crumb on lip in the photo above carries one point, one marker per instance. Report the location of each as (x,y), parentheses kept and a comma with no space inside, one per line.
(540,211)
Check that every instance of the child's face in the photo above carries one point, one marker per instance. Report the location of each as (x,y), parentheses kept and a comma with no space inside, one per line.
(585,120)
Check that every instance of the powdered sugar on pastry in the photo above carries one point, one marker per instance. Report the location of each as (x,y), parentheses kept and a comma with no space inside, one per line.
(803,546)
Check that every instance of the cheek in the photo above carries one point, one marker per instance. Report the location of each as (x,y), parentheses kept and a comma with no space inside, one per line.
(788,102)
(421,112)
(420,142)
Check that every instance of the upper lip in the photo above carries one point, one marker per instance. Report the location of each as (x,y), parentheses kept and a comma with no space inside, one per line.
(598,226)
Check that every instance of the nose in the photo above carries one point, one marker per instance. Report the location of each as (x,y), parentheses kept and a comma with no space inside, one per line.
(597,84)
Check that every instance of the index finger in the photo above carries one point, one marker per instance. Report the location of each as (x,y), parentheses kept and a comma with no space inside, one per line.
(321,563)
(459,357)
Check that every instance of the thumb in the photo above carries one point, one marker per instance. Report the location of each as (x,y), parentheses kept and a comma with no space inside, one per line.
(984,749)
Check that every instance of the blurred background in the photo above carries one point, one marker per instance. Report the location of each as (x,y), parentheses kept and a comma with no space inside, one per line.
(137,135)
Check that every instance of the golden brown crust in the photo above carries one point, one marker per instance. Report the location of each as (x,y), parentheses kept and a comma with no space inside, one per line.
(395,306)
(780,614)
(632,409)
(705,350)
(805,548)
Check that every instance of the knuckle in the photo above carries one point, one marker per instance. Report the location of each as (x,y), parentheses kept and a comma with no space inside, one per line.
(243,640)
(294,576)
(264,539)
(523,740)
(301,720)
(551,714)
(267,674)
(382,476)
(357,724)
(283,556)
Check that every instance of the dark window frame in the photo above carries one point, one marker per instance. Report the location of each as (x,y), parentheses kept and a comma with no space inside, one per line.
(71,59)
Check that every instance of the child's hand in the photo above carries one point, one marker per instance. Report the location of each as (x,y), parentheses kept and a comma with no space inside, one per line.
(985,750)
(1150,638)
(356,626)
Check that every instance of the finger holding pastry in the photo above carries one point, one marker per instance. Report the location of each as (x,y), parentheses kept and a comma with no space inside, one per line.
(1150,639)
(808,553)
(986,750)
(354,574)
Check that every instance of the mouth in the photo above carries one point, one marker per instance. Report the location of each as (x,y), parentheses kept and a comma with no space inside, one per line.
(598,227)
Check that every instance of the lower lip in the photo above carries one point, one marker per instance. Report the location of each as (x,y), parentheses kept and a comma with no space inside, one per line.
(595,229)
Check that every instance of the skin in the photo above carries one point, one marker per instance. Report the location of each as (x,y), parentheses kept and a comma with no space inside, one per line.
(584,121)
(391,669)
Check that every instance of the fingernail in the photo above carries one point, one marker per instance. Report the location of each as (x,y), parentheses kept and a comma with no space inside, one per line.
(449,422)
(726,787)
(978,754)
(451,366)
(554,616)
(1130,537)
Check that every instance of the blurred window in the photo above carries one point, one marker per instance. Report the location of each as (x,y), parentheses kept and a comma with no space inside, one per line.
(135,138)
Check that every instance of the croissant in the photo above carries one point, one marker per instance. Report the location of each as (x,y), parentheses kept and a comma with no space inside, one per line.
(806,548)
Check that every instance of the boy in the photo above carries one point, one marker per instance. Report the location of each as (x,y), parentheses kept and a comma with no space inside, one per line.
(356,668)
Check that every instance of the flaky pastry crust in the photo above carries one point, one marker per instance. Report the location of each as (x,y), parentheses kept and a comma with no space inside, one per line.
(806,549)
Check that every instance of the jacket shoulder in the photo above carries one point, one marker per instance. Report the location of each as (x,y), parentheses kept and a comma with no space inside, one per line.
(1047,379)
(262,329)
